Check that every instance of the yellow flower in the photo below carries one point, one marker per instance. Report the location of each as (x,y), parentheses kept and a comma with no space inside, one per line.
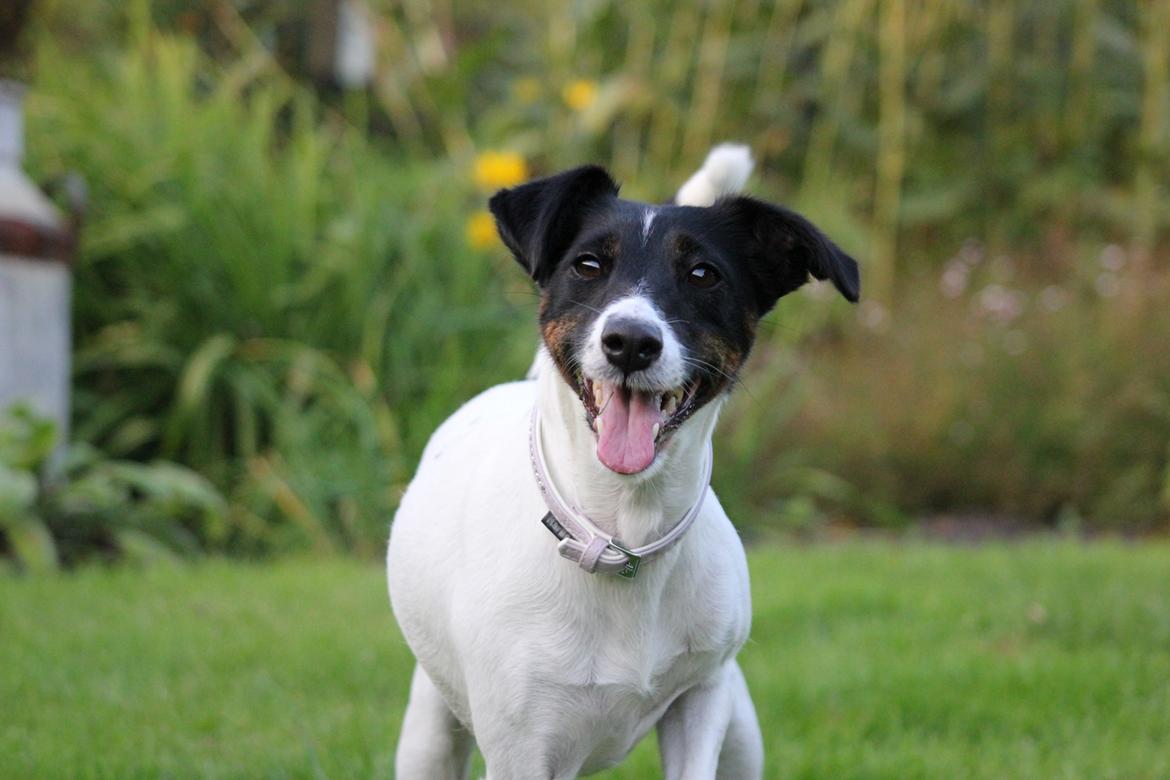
(481,230)
(499,169)
(580,94)
(526,90)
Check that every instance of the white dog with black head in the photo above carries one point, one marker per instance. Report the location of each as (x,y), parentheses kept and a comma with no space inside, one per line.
(559,565)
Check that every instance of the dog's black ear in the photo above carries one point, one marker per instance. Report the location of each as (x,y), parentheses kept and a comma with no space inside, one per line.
(784,249)
(539,220)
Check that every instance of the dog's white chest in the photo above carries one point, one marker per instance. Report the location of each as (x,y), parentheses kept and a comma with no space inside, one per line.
(521,641)
(602,676)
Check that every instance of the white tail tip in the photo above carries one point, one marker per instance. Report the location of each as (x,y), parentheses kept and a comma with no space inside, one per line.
(724,172)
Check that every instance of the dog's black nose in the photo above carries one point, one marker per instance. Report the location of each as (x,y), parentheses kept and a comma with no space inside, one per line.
(630,344)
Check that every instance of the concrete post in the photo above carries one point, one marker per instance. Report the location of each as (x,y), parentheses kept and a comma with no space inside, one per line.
(36,245)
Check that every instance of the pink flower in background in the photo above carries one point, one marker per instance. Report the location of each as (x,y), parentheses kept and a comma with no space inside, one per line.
(1113,258)
(1053,298)
(953,282)
(1000,303)
(1107,285)
(872,316)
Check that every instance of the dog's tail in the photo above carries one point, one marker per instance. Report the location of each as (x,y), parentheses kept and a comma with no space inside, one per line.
(724,172)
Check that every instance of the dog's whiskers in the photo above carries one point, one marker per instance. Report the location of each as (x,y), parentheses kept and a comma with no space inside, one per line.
(587,306)
(734,380)
(711,366)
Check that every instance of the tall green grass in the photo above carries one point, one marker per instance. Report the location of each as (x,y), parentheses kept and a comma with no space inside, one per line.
(275,287)
(261,293)
(1002,120)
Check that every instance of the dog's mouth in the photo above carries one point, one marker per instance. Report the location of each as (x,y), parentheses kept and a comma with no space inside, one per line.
(632,425)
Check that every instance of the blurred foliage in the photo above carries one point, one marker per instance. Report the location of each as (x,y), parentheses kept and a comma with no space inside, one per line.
(261,291)
(286,286)
(982,392)
(87,505)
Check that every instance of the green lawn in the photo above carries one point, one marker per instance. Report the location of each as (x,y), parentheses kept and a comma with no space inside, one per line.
(1037,660)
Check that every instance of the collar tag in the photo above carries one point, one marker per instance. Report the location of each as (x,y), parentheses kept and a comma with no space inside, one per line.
(633,561)
(554,525)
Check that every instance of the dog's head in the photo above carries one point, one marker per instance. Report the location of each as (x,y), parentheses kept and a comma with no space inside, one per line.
(650,311)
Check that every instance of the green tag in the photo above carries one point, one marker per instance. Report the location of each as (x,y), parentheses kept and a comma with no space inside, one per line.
(630,570)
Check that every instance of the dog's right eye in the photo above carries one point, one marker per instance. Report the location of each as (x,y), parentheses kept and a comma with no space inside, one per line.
(589,266)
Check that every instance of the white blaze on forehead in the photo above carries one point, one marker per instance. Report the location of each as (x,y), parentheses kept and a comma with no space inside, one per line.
(667,372)
(647,222)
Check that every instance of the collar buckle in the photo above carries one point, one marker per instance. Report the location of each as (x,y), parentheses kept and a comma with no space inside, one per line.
(633,561)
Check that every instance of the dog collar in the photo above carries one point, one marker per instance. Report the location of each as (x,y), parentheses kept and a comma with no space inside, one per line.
(580,539)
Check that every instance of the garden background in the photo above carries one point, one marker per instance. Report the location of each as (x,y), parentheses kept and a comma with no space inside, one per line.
(287,279)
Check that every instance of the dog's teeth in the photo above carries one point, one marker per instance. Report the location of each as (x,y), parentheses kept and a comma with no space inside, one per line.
(670,403)
(657,427)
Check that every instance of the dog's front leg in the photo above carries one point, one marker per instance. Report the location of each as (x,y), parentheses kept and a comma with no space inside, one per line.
(711,731)
(433,745)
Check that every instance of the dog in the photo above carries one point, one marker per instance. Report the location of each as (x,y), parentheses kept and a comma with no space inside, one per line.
(559,566)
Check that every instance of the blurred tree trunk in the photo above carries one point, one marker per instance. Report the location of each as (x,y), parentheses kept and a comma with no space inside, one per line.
(322,43)
(1152,156)
(891,161)
(13,16)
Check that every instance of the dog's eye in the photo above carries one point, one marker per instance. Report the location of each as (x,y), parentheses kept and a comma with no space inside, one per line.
(589,266)
(703,275)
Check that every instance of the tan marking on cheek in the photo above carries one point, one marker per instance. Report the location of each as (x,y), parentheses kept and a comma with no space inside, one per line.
(721,354)
(557,334)
(558,338)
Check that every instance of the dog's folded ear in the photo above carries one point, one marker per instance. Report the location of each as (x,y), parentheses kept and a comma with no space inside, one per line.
(785,249)
(539,220)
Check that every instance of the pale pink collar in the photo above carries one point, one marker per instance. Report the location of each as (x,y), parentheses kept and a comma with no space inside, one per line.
(580,539)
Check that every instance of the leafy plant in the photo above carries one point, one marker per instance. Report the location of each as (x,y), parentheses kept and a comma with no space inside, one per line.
(89,503)
(987,391)
(276,286)
(262,295)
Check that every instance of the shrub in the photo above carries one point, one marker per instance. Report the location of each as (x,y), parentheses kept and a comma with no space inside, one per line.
(988,389)
(94,505)
(261,294)
(289,307)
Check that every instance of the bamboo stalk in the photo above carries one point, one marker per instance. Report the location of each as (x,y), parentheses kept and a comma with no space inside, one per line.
(389,91)
(774,54)
(429,54)
(928,23)
(1000,35)
(998,118)
(705,97)
(1152,159)
(1078,118)
(561,37)
(891,147)
(836,63)
(676,62)
(628,146)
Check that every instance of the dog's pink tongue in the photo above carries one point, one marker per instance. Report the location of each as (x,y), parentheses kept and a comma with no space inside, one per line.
(625,435)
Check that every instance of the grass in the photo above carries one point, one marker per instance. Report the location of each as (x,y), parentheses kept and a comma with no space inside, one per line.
(1043,659)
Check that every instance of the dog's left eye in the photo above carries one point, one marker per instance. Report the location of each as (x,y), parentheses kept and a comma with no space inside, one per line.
(703,275)
(589,266)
